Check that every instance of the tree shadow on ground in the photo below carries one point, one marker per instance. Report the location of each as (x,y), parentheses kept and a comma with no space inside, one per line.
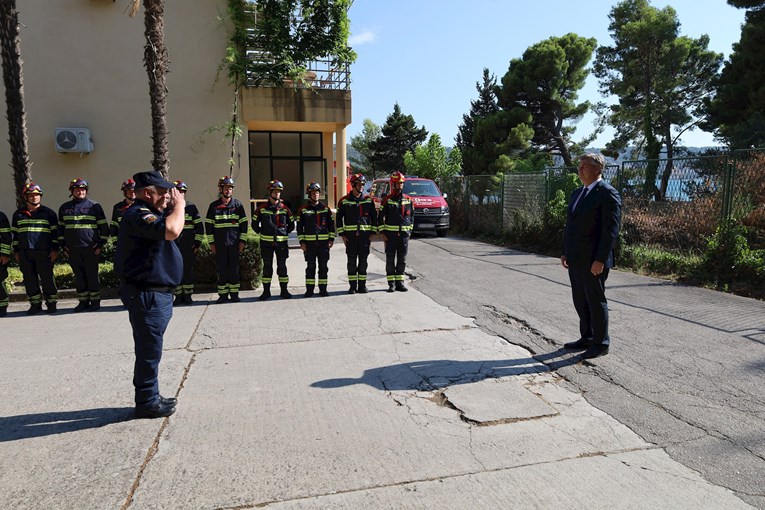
(432,375)
(25,426)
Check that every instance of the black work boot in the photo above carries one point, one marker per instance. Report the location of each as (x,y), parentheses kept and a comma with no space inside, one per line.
(178,301)
(362,287)
(51,306)
(82,306)
(187,300)
(34,308)
(308,290)
(285,294)
(352,289)
(95,305)
(222,298)
(3,311)
(400,286)
(235,297)
(391,286)
(266,292)
(323,290)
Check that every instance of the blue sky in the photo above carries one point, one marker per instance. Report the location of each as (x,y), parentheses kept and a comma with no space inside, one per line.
(427,54)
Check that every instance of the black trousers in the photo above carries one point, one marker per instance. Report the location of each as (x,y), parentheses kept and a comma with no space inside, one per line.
(84,262)
(357,251)
(589,294)
(316,250)
(3,286)
(396,249)
(227,265)
(36,264)
(282,252)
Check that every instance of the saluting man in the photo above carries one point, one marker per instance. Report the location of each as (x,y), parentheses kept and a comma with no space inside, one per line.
(128,190)
(189,242)
(35,243)
(226,226)
(272,223)
(149,266)
(356,222)
(316,233)
(83,231)
(396,222)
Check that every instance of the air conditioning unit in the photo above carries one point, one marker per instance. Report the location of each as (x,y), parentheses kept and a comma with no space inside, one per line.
(73,140)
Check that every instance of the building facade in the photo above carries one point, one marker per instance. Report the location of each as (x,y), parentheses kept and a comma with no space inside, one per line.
(83,69)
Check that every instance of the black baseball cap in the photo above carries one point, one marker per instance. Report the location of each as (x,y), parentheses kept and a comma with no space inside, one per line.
(152,178)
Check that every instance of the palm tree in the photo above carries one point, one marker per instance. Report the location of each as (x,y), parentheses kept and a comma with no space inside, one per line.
(14,96)
(156,62)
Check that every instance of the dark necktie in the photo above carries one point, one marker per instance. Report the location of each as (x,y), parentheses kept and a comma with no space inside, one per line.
(580,197)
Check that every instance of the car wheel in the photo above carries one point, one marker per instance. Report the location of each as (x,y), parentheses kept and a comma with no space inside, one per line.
(441,233)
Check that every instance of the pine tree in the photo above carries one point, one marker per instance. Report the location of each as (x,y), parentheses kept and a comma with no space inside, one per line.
(485,105)
(400,135)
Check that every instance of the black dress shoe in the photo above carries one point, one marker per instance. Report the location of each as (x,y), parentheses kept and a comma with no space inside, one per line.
(595,351)
(169,401)
(579,344)
(158,410)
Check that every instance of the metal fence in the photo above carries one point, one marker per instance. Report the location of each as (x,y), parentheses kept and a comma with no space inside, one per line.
(668,204)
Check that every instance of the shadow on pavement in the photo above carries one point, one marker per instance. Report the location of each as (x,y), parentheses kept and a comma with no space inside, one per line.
(25,426)
(437,374)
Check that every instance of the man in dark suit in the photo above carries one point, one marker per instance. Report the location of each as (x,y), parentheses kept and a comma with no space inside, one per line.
(592,226)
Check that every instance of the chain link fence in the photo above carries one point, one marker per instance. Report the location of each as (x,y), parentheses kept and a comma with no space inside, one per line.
(668,204)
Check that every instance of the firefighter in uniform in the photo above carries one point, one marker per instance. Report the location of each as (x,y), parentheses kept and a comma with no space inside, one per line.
(316,233)
(149,266)
(83,231)
(396,221)
(226,226)
(5,257)
(356,222)
(128,189)
(189,242)
(35,243)
(272,222)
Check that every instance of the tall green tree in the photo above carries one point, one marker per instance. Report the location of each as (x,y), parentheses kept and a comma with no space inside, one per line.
(432,160)
(10,47)
(363,144)
(737,111)
(289,34)
(660,79)
(480,108)
(500,140)
(546,82)
(400,134)
(156,62)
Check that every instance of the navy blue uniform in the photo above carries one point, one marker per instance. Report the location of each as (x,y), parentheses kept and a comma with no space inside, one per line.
(272,224)
(189,242)
(149,268)
(35,237)
(226,226)
(5,251)
(83,229)
(396,221)
(356,221)
(315,228)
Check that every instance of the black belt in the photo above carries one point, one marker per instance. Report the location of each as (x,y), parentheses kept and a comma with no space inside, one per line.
(149,287)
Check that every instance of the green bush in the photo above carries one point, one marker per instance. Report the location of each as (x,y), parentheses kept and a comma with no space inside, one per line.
(728,258)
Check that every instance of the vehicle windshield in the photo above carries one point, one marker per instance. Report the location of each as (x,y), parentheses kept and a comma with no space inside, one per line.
(421,189)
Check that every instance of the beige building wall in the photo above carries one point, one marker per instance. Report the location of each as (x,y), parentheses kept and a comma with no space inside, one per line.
(83,67)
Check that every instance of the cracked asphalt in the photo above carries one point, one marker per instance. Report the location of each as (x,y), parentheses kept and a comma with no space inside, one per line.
(686,368)
(379,401)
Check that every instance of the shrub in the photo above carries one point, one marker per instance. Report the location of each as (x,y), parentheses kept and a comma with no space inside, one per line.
(728,258)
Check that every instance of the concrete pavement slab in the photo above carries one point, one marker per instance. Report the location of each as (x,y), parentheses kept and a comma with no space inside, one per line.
(645,479)
(296,420)
(67,434)
(492,401)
